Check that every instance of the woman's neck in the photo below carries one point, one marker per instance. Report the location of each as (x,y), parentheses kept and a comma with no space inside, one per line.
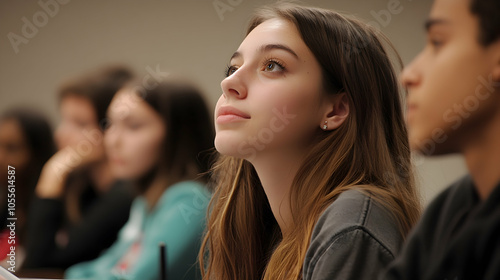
(155,191)
(101,176)
(482,156)
(276,173)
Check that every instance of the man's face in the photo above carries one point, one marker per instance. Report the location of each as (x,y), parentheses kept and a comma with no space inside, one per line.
(452,93)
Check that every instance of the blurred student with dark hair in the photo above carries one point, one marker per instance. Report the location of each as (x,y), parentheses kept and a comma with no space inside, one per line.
(454,107)
(157,138)
(79,206)
(26,143)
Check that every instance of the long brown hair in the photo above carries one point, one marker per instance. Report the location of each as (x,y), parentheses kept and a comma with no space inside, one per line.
(188,144)
(369,151)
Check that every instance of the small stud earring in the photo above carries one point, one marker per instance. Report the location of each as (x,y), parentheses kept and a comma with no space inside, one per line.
(325,126)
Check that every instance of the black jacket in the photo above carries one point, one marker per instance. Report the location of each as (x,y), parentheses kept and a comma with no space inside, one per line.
(458,238)
(103,217)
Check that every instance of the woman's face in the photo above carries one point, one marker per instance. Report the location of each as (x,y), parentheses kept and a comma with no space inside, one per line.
(14,150)
(134,137)
(271,98)
(79,129)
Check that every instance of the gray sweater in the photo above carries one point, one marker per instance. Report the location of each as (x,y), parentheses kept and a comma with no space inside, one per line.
(355,238)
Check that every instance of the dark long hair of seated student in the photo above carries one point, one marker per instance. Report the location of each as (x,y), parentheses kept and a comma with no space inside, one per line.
(314,179)
(79,206)
(26,143)
(161,139)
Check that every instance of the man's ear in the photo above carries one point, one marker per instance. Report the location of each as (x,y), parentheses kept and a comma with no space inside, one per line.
(336,111)
(496,67)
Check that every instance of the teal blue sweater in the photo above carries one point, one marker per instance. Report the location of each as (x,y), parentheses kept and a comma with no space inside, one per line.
(178,220)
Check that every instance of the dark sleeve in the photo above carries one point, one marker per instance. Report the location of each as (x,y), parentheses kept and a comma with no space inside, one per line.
(96,232)
(353,254)
(411,263)
(493,270)
(44,220)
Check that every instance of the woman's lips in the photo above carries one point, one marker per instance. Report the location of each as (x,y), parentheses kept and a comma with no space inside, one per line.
(229,114)
(117,161)
(410,111)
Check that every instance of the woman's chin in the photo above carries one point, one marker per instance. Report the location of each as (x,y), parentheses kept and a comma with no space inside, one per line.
(227,148)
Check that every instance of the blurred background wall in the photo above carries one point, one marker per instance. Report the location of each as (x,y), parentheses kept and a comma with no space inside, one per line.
(43,43)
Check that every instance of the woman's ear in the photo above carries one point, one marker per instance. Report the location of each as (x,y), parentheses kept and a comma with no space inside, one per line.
(336,111)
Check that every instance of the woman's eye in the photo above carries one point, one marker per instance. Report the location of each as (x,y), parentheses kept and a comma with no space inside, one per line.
(81,124)
(107,126)
(230,70)
(134,126)
(273,66)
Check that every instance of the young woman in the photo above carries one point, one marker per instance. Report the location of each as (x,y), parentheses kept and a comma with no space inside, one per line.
(78,200)
(314,180)
(26,143)
(157,138)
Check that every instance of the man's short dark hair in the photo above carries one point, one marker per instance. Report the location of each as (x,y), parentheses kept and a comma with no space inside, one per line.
(488,13)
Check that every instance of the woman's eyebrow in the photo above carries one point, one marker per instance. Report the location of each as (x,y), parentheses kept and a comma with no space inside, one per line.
(266,48)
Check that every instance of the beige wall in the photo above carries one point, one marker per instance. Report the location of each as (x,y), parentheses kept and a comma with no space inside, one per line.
(188,37)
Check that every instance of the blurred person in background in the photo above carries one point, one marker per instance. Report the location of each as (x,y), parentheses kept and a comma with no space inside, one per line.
(26,143)
(157,138)
(79,205)
(454,107)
